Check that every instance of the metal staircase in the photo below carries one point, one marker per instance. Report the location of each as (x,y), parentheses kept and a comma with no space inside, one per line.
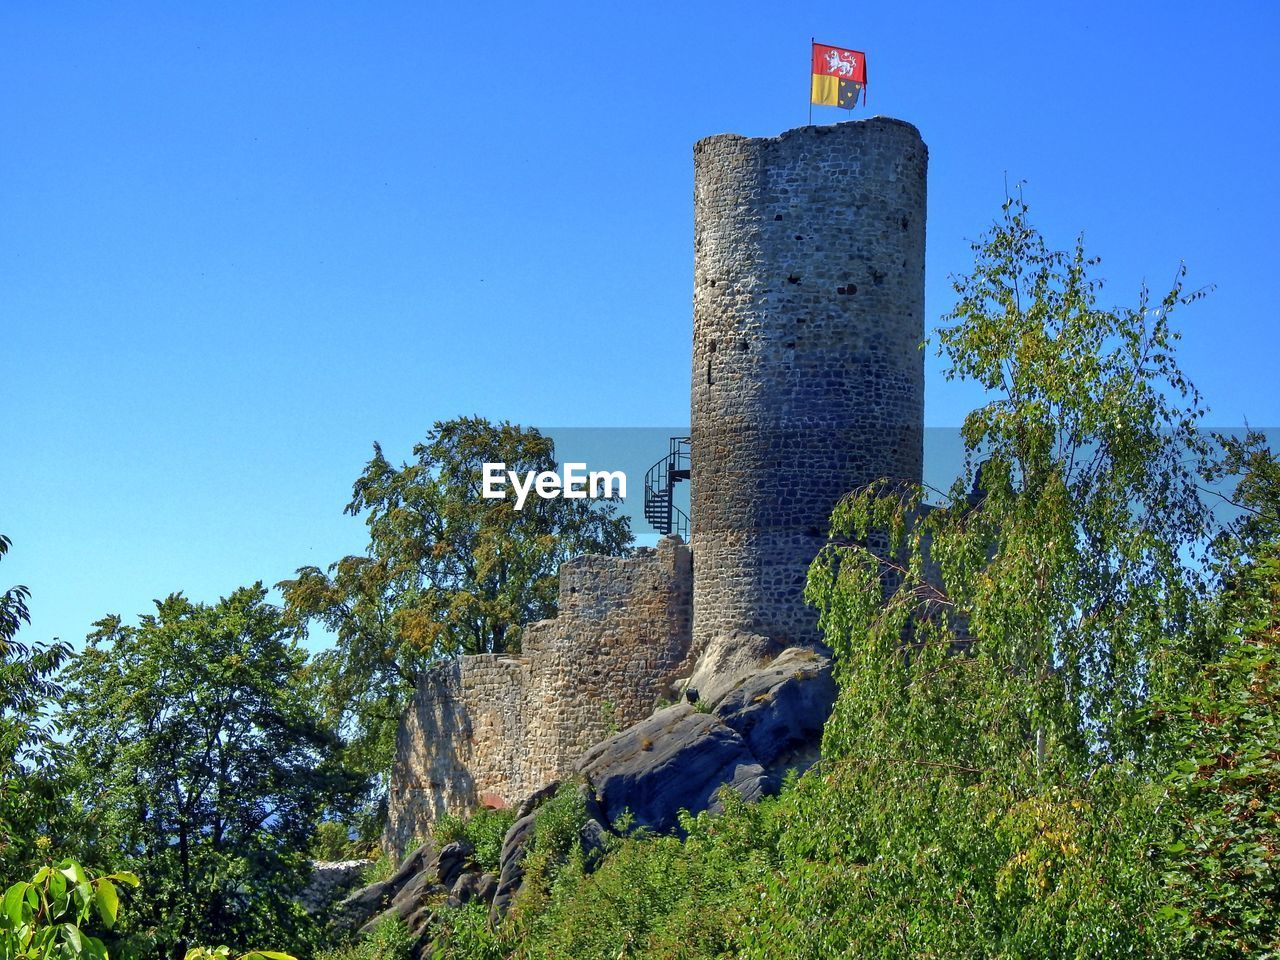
(659,487)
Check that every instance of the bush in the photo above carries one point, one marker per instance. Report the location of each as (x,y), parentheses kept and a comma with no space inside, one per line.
(484,831)
(332,842)
(389,940)
(1222,860)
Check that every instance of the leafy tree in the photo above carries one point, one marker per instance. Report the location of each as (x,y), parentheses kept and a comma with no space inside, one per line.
(204,765)
(42,918)
(446,572)
(29,796)
(1222,860)
(46,917)
(1060,566)
(997,654)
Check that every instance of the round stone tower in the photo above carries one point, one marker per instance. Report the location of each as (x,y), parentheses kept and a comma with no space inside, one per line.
(808,377)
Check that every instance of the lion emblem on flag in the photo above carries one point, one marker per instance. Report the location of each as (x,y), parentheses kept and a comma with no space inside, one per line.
(840,63)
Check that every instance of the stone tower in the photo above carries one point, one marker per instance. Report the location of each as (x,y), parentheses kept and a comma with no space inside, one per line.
(808,377)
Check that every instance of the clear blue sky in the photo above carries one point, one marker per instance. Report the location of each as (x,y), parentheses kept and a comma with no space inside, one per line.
(239,242)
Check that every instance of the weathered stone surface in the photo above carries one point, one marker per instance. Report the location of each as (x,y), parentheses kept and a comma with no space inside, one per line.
(360,907)
(728,658)
(808,378)
(453,857)
(807,383)
(464,888)
(677,759)
(330,881)
(780,710)
(511,869)
(680,758)
(487,887)
(500,727)
(595,841)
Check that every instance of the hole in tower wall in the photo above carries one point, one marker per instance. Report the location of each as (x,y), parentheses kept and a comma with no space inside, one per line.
(708,373)
(743,346)
(712,347)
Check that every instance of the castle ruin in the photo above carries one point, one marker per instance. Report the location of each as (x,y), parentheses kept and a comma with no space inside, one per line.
(808,382)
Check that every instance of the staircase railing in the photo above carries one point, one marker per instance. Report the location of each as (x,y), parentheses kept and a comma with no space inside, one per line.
(659,488)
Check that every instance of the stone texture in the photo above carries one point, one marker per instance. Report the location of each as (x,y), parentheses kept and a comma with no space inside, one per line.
(808,378)
(679,759)
(330,881)
(356,910)
(675,760)
(728,658)
(501,727)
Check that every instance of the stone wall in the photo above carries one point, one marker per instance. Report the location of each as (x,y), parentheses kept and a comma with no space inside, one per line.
(490,729)
(808,378)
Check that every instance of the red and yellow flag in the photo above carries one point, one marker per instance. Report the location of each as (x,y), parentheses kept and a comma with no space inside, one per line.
(839,76)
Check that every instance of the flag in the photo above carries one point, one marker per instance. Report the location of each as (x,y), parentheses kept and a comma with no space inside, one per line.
(839,76)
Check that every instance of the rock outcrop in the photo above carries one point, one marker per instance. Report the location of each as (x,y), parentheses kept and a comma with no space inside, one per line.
(761,716)
(330,880)
(768,721)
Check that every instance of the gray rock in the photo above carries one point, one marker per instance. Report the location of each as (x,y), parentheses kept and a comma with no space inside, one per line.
(358,909)
(453,857)
(768,721)
(515,844)
(437,877)
(595,843)
(780,710)
(330,881)
(511,872)
(727,659)
(487,888)
(675,760)
(537,799)
(464,888)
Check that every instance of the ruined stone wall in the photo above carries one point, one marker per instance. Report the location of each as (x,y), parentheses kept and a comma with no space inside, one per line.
(490,729)
(808,378)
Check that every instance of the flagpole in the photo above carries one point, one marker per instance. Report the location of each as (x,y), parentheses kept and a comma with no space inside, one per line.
(811,43)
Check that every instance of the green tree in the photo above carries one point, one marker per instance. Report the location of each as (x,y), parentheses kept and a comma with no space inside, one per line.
(997,654)
(1062,562)
(446,572)
(1221,864)
(205,766)
(30,802)
(41,919)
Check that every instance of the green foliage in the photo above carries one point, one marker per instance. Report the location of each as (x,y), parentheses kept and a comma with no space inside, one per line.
(204,768)
(224,953)
(989,787)
(46,917)
(446,572)
(389,940)
(332,842)
(554,854)
(30,794)
(469,935)
(1065,571)
(42,918)
(484,830)
(382,867)
(996,655)
(1222,862)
